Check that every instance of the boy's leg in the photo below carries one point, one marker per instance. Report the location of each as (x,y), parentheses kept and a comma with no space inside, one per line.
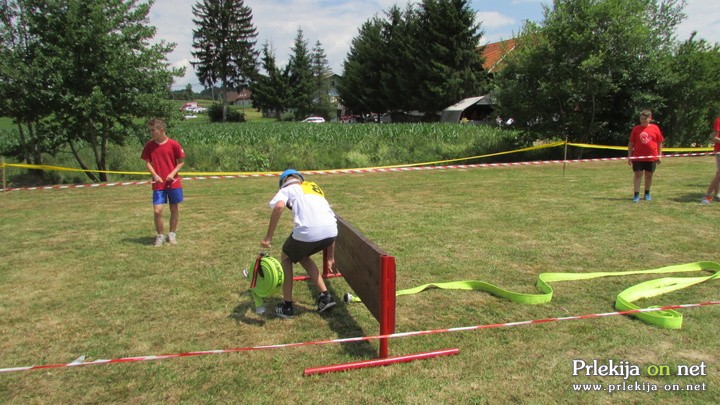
(648,179)
(174,216)
(713,187)
(637,178)
(158,216)
(312,271)
(287,266)
(325,300)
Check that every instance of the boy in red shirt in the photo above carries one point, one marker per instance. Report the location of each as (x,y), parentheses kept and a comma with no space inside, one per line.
(644,153)
(164,157)
(712,190)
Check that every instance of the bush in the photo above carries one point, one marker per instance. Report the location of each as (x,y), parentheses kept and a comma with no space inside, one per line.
(215,114)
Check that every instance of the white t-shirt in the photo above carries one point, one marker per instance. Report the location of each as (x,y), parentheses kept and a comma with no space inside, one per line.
(314,219)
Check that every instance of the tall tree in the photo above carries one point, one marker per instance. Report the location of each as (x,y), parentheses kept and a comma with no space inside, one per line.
(323,80)
(588,67)
(97,73)
(424,58)
(690,86)
(445,55)
(360,86)
(302,85)
(398,80)
(21,95)
(270,91)
(224,43)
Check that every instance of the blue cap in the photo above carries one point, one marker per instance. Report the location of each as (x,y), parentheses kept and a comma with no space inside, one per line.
(289,172)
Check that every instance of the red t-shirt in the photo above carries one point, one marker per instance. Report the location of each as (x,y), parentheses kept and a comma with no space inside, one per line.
(164,158)
(645,142)
(716,127)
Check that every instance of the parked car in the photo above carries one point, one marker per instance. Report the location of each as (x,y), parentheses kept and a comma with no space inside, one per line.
(317,120)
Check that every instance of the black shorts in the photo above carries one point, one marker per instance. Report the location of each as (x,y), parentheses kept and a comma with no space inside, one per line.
(297,250)
(644,166)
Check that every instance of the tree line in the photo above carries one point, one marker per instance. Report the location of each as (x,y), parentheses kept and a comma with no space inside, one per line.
(587,69)
(224,48)
(77,74)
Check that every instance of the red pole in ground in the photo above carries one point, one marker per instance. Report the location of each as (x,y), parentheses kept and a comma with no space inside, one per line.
(387,301)
(379,362)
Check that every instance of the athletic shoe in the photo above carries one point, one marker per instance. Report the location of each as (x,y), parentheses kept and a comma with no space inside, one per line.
(706,200)
(325,302)
(647,197)
(636,198)
(172,239)
(159,240)
(284,312)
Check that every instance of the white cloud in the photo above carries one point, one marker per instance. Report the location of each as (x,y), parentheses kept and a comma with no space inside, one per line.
(703,16)
(493,20)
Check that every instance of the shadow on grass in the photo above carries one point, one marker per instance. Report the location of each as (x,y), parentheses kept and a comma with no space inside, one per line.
(144,240)
(338,319)
(689,198)
(240,314)
(686,198)
(628,199)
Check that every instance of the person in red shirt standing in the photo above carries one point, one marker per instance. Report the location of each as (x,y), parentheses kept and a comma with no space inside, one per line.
(713,190)
(164,157)
(644,153)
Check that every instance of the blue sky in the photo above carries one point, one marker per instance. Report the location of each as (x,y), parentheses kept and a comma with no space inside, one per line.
(335,23)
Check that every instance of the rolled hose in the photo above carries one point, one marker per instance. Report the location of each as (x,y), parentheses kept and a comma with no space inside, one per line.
(269,278)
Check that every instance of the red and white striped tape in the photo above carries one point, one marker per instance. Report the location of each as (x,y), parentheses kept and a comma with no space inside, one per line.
(362,170)
(350,340)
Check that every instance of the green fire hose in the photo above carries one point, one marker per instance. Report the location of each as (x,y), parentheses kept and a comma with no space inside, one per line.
(669,319)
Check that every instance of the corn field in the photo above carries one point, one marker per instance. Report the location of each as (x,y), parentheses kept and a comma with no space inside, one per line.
(275,146)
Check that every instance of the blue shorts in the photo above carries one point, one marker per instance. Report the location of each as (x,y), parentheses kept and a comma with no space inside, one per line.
(175,195)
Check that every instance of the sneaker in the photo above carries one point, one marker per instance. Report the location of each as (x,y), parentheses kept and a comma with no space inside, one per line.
(636,198)
(706,200)
(647,197)
(325,302)
(172,239)
(159,240)
(284,312)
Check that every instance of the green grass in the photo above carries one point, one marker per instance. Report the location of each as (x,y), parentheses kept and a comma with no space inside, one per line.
(78,277)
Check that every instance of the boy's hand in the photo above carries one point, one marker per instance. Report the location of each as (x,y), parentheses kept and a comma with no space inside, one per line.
(266,243)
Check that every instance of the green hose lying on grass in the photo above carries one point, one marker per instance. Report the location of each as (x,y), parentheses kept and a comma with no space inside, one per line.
(669,319)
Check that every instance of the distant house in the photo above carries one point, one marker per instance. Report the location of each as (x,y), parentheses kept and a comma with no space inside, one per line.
(473,110)
(479,109)
(495,53)
(241,98)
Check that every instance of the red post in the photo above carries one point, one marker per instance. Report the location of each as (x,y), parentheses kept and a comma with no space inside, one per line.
(326,268)
(387,302)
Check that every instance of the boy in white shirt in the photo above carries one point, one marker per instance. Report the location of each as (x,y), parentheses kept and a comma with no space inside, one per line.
(315,229)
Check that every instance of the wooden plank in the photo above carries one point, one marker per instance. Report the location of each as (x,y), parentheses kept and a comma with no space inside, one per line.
(358,260)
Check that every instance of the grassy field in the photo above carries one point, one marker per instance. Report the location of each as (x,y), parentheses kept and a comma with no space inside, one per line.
(79,276)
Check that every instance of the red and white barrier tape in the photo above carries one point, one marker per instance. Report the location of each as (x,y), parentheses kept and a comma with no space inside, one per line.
(355,171)
(349,340)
